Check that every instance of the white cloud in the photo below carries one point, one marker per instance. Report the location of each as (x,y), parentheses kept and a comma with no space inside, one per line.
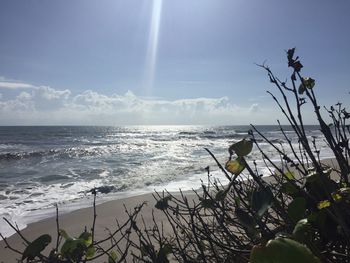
(254,108)
(14,85)
(45,105)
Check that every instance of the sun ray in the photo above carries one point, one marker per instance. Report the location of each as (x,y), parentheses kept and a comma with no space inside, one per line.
(151,57)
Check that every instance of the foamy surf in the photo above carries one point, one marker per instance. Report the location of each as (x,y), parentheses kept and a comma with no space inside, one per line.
(44,166)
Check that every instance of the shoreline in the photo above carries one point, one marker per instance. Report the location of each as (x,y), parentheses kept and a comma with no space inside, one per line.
(108,212)
(192,182)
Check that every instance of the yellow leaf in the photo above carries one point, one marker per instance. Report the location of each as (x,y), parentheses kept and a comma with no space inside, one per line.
(323,204)
(289,175)
(234,166)
(336,197)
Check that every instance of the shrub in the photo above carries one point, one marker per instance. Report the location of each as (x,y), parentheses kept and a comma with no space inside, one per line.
(298,214)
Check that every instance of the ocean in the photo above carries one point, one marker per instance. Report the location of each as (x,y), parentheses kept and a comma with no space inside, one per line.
(44,166)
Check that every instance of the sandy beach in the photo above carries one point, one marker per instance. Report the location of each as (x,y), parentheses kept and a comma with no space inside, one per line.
(73,223)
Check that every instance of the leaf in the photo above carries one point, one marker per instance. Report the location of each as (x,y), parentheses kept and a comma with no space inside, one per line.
(87,237)
(235,166)
(290,53)
(245,218)
(90,252)
(297,66)
(312,177)
(301,89)
(290,175)
(162,204)
(208,203)
(344,192)
(66,246)
(323,204)
(112,257)
(328,171)
(63,233)
(261,200)
(289,189)
(318,218)
(167,249)
(73,248)
(241,148)
(260,254)
(307,83)
(283,250)
(220,195)
(164,251)
(35,247)
(302,231)
(296,209)
(336,197)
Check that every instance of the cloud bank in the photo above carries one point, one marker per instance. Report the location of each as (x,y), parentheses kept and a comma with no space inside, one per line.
(42,105)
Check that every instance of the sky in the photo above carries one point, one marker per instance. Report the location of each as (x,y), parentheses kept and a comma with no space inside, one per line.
(165,62)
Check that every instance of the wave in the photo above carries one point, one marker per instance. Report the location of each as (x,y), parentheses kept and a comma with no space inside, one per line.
(212,135)
(24,155)
(72,152)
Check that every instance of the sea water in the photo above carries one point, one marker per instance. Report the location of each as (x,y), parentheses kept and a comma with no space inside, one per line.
(44,166)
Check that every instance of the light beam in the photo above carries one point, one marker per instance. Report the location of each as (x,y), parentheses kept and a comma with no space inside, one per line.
(152,48)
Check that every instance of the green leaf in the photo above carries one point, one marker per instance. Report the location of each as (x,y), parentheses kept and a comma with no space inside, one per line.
(261,200)
(90,252)
(235,166)
(290,175)
(112,257)
(167,249)
(34,248)
(66,246)
(312,177)
(220,195)
(87,237)
(162,204)
(163,253)
(241,148)
(245,218)
(208,203)
(282,250)
(302,231)
(309,82)
(260,254)
(289,189)
(318,218)
(296,209)
(73,249)
(63,233)
(323,204)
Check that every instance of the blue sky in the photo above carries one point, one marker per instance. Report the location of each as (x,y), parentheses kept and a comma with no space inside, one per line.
(118,62)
